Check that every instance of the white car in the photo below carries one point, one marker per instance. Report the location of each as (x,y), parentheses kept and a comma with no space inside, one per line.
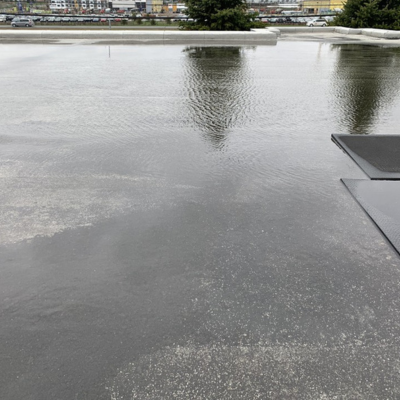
(3,18)
(317,22)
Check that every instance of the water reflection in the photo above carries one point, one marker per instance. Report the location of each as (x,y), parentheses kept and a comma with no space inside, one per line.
(366,80)
(217,91)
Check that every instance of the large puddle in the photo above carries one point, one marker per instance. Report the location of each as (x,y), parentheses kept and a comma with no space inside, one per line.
(174,205)
(76,119)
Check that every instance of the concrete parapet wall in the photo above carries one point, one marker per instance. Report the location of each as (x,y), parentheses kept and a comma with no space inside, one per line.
(258,36)
(381,33)
(392,35)
(266,36)
(377,33)
(348,31)
(274,30)
(305,29)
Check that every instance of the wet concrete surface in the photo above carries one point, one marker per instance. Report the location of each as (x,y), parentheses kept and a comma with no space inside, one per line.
(173,224)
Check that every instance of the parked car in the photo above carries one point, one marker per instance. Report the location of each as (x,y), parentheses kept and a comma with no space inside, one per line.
(3,18)
(96,20)
(10,17)
(66,19)
(22,21)
(317,22)
(57,19)
(180,17)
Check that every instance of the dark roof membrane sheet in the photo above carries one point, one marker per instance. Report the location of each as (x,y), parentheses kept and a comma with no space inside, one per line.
(377,155)
(381,201)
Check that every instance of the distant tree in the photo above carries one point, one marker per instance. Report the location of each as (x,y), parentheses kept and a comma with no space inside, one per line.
(219,15)
(384,14)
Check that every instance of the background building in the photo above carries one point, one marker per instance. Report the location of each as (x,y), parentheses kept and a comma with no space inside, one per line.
(127,5)
(154,6)
(60,5)
(322,6)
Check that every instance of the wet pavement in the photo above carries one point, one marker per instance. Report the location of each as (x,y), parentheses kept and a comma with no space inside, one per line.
(173,223)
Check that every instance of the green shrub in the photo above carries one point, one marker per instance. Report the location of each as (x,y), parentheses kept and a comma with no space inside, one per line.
(231,19)
(220,15)
(381,14)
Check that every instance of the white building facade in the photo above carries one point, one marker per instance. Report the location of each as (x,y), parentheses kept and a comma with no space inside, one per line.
(59,5)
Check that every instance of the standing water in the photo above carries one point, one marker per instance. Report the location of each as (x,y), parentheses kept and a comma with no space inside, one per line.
(173,223)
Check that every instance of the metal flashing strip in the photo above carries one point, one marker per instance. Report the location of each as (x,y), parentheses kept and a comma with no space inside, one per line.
(377,155)
(381,201)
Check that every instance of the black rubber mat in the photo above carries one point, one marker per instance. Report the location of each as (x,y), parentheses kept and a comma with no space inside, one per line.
(381,201)
(377,155)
